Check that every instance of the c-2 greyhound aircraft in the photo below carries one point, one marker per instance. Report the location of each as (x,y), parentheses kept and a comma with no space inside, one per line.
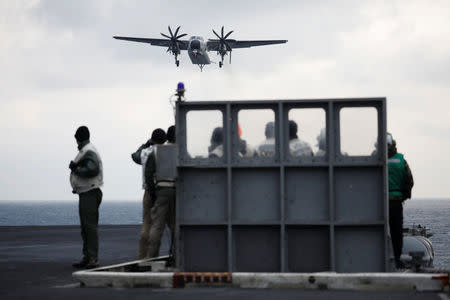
(197,47)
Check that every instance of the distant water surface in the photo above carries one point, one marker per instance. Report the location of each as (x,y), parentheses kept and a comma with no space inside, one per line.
(66,213)
(434,214)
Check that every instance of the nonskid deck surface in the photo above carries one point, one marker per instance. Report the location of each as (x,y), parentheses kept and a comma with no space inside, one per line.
(35,262)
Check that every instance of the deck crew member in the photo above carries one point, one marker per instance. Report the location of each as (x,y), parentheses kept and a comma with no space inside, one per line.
(400,186)
(140,157)
(244,149)
(215,149)
(164,193)
(321,143)
(267,147)
(171,213)
(296,145)
(86,178)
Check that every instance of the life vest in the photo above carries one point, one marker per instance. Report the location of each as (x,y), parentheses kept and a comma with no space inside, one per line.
(300,148)
(144,156)
(397,175)
(216,152)
(320,152)
(81,184)
(267,148)
(166,165)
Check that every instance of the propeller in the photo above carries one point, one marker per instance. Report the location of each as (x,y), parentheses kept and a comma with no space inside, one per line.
(224,46)
(175,39)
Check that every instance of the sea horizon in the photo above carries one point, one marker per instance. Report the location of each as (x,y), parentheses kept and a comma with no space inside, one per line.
(116,212)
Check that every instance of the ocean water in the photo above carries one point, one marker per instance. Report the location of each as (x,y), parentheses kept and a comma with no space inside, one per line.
(434,214)
(66,213)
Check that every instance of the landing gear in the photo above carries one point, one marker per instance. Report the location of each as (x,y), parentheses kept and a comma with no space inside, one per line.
(223,47)
(174,43)
(201,67)
(222,56)
(177,62)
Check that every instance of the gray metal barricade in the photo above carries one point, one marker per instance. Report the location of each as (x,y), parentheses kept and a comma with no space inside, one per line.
(282,213)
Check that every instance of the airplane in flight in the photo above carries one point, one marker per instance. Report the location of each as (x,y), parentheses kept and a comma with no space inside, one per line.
(197,47)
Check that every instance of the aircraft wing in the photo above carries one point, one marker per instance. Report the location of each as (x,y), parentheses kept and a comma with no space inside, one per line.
(154,42)
(213,44)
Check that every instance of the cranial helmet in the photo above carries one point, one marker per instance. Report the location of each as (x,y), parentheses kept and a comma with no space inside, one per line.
(321,141)
(389,139)
(217,136)
(270,130)
(159,136)
(292,129)
(82,134)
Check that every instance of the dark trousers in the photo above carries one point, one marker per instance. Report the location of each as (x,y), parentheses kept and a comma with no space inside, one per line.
(88,210)
(396,228)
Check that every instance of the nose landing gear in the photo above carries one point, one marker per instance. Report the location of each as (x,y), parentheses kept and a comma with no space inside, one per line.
(177,62)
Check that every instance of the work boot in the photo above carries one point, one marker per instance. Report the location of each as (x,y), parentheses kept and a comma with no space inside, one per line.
(171,261)
(399,264)
(81,264)
(91,264)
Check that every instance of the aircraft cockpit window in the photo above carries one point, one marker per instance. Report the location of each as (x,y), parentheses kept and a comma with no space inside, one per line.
(359,131)
(256,133)
(307,134)
(204,136)
(195,45)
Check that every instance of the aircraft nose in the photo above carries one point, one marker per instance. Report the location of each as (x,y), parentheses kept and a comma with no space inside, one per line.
(195,45)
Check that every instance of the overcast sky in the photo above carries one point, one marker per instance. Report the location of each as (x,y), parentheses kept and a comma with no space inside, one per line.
(61,68)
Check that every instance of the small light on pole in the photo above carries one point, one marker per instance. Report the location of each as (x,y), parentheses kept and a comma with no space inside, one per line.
(180,91)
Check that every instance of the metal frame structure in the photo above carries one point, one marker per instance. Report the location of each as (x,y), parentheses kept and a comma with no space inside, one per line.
(284,213)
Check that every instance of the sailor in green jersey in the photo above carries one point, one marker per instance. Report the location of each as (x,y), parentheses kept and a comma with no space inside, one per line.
(400,185)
